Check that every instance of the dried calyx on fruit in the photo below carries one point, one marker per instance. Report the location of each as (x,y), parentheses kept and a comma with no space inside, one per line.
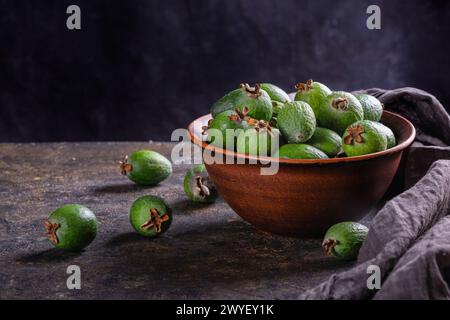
(304,86)
(340,103)
(155,221)
(354,135)
(198,186)
(252,92)
(125,167)
(50,231)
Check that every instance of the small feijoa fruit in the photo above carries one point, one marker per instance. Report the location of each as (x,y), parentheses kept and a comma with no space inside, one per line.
(71,227)
(146,167)
(363,137)
(254,98)
(326,140)
(343,240)
(275,93)
(339,110)
(150,216)
(386,131)
(296,122)
(313,93)
(197,185)
(373,109)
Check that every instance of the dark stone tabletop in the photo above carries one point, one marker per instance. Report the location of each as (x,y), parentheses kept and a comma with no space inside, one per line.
(209,251)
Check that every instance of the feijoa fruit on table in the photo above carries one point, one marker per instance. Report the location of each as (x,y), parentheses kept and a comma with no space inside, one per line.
(275,93)
(296,122)
(343,240)
(146,167)
(327,141)
(300,151)
(150,216)
(363,137)
(71,227)
(313,93)
(254,98)
(198,186)
(373,108)
(339,110)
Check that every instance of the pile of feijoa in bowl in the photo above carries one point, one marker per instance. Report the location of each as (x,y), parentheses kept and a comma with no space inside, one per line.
(318,124)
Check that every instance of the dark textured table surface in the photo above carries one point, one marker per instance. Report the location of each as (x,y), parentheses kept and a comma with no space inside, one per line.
(209,252)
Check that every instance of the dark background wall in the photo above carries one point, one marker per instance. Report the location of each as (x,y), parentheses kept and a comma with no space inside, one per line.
(139,69)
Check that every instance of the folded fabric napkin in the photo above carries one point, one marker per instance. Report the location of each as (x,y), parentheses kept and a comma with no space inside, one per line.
(409,238)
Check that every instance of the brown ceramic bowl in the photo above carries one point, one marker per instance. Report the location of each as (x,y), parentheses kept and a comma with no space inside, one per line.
(306,196)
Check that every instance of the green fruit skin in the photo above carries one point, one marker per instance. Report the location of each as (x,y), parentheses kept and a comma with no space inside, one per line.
(387,132)
(314,96)
(223,123)
(296,121)
(276,107)
(260,107)
(140,214)
(251,141)
(327,141)
(189,183)
(275,93)
(372,107)
(148,167)
(300,151)
(374,140)
(78,227)
(336,119)
(350,236)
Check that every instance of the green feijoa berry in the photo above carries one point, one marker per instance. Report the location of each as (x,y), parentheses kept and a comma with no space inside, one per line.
(197,185)
(313,93)
(71,227)
(296,121)
(275,93)
(227,126)
(327,141)
(258,140)
(343,240)
(150,216)
(300,151)
(254,98)
(387,132)
(363,137)
(146,167)
(372,107)
(339,110)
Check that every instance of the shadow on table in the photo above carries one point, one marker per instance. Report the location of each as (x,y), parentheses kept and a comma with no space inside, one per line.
(220,254)
(183,206)
(48,256)
(124,187)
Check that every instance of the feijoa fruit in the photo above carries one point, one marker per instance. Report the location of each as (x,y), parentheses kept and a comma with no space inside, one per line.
(150,216)
(343,240)
(198,186)
(296,121)
(71,227)
(146,167)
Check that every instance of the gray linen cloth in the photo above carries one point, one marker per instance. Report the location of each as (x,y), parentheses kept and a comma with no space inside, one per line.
(409,238)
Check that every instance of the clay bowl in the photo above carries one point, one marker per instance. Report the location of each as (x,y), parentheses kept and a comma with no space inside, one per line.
(306,196)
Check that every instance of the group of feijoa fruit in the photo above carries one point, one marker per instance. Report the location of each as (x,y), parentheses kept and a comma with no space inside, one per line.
(73,227)
(318,124)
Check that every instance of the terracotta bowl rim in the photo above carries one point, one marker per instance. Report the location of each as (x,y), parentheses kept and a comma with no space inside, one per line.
(397,148)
